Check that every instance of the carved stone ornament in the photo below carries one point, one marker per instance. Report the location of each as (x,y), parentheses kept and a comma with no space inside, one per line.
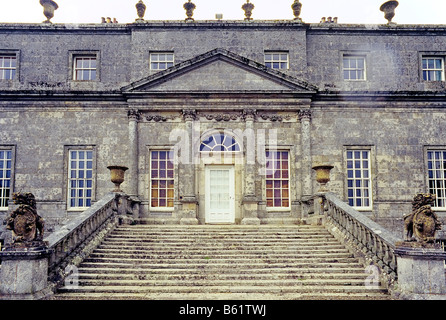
(248,7)
(156,118)
(297,7)
(26,225)
(421,225)
(249,114)
(304,114)
(189,114)
(134,114)
(189,7)
(141,10)
(49,7)
(389,10)
(222,117)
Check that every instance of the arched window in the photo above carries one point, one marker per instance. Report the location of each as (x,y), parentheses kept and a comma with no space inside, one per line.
(219,142)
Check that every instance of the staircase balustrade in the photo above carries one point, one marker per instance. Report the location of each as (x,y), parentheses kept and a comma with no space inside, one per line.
(75,240)
(367,238)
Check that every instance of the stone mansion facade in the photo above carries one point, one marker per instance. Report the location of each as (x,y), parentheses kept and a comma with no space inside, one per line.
(222,121)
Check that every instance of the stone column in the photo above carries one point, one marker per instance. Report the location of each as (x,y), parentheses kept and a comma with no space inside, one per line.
(188,197)
(133,174)
(306,165)
(421,274)
(24,273)
(250,201)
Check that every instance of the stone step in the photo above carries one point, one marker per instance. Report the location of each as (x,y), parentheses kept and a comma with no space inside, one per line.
(174,276)
(205,283)
(313,270)
(225,261)
(188,241)
(218,266)
(224,296)
(219,245)
(218,255)
(189,262)
(175,289)
(228,251)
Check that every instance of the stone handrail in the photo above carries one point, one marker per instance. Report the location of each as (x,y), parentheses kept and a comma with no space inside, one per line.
(369,240)
(75,240)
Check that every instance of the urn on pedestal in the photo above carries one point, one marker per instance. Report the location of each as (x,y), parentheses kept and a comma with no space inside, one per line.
(323,176)
(141,10)
(248,7)
(189,7)
(49,7)
(297,7)
(117,176)
(389,10)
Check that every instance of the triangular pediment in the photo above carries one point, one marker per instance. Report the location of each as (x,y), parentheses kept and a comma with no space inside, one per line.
(219,71)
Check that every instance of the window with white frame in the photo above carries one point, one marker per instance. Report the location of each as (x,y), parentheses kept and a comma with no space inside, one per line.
(277,60)
(359,184)
(8,66)
(354,68)
(161,60)
(80,178)
(85,68)
(162,180)
(277,179)
(433,68)
(5,177)
(436,166)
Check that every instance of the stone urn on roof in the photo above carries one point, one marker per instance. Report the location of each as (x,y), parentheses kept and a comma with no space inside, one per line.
(140,10)
(49,6)
(248,7)
(189,7)
(389,10)
(297,8)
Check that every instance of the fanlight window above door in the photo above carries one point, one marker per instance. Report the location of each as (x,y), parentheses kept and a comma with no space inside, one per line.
(219,142)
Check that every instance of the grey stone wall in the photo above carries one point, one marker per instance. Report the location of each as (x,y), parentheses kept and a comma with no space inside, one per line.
(44,111)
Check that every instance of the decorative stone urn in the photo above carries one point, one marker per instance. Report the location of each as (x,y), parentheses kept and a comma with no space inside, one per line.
(323,176)
(248,7)
(296,6)
(117,176)
(141,10)
(389,10)
(189,7)
(49,7)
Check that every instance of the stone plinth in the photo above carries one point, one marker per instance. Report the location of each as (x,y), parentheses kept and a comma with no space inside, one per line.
(24,272)
(421,273)
(250,209)
(189,209)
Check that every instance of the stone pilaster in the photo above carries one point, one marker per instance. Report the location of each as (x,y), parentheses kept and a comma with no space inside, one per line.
(250,201)
(306,163)
(133,174)
(188,197)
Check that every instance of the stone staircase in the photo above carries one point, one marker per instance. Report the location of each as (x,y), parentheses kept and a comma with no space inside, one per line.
(221,262)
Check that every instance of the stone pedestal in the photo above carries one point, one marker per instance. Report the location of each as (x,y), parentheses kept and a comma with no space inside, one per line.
(421,273)
(250,209)
(189,211)
(24,272)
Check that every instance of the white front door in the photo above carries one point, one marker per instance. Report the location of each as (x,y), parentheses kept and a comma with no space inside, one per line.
(220,194)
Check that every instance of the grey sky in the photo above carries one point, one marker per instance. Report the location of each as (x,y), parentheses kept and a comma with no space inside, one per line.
(348,11)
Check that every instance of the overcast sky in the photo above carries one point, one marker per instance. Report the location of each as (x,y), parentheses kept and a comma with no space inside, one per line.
(348,11)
